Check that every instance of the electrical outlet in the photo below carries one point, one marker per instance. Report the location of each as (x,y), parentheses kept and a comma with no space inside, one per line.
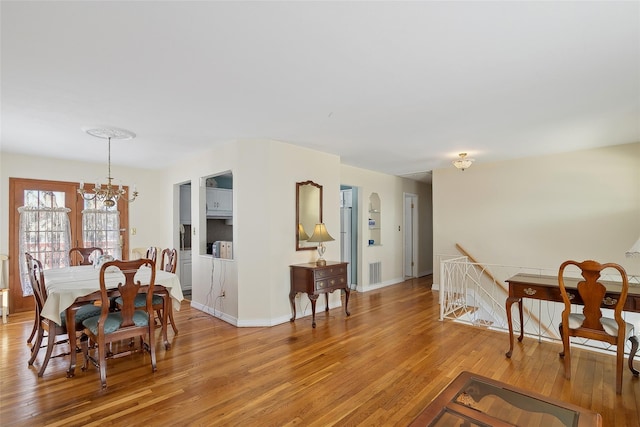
(134,231)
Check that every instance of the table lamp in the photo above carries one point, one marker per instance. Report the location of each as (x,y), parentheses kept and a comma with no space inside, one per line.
(320,235)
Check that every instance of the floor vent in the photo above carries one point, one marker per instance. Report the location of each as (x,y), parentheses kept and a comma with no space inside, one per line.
(375,274)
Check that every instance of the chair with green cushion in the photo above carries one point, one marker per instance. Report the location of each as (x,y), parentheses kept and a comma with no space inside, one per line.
(53,330)
(84,256)
(161,297)
(130,322)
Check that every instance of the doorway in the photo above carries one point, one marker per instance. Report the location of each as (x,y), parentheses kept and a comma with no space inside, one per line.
(349,232)
(185,233)
(410,236)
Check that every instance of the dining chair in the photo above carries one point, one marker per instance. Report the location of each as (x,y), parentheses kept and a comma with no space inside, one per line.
(129,322)
(168,263)
(84,256)
(53,330)
(161,301)
(152,254)
(590,323)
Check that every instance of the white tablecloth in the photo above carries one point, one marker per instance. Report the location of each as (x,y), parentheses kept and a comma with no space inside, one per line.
(64,285)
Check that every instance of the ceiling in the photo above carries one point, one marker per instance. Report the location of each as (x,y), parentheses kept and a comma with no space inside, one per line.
(396,87)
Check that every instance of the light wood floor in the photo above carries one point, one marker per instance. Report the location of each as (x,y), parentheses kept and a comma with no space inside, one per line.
(379,367)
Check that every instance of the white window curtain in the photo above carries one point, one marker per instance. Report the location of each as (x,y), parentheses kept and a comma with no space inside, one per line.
(46,234)
(101,228)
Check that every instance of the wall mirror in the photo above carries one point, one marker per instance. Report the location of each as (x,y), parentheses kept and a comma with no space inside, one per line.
(308,213)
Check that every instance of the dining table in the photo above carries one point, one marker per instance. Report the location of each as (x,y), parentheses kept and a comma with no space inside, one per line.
(69,288)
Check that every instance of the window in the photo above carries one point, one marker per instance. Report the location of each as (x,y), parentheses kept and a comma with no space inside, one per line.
(44,234)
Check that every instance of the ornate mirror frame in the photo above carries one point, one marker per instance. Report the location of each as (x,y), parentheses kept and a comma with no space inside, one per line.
(308,213)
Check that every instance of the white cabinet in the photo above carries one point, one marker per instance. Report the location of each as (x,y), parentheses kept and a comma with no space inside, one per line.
(185,270)
(219,202)
(185,204)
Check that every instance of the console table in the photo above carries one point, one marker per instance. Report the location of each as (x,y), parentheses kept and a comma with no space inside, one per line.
(546,288)
(471,399)
(314,280)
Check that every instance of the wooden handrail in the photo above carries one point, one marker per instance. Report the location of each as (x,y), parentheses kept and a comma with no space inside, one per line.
(505,290)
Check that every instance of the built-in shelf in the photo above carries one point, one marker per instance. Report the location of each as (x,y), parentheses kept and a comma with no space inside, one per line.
(374,220)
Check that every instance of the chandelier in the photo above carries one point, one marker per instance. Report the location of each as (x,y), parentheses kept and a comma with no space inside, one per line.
(110,194)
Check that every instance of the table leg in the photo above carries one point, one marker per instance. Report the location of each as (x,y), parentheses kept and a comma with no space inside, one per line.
(166,305)
(327,301)
(71,331)
(313,299)
(509,303)
(347,291)
(292,296)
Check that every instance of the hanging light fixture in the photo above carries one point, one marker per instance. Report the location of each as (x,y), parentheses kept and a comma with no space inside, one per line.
(463,163)
(110,194)
(635,249)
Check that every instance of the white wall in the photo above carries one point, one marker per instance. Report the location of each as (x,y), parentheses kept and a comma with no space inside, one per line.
(391,191)
(539,212)
(256,281)
(142,213)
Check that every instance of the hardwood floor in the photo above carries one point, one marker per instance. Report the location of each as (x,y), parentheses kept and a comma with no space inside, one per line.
(380,366)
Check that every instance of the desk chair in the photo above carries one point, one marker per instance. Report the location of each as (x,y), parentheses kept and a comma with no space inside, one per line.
(590,323)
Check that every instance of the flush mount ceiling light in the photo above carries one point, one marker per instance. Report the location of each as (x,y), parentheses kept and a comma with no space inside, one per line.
(463,162)
(110,194)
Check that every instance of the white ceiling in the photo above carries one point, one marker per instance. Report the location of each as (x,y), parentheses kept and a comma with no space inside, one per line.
(397,87)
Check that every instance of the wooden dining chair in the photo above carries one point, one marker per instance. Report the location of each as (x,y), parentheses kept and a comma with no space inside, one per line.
(590,323)
(162,303)
(84,256)
(169,263)
(128,323)
(152,254)
(53,330)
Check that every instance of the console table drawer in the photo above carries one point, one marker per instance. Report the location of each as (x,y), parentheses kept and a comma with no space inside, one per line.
(331,283)
(328,272)
(535,292)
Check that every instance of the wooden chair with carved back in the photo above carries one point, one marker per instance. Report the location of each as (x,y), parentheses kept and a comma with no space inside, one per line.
(590,323)
(128,323)
(44,325)
(84,256)
(162,303)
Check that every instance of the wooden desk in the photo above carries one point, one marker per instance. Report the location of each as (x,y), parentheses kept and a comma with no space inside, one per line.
(471,397)
(315,280)
(546,288)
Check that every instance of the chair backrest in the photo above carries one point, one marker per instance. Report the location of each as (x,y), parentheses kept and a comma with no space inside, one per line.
(152,254)
(36,277)
(169,260)
(84,256)
(129,285)
(592,293)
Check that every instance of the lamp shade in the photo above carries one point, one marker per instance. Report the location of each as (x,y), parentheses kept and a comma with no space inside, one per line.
(302,235)
(320,234)
(635,249)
